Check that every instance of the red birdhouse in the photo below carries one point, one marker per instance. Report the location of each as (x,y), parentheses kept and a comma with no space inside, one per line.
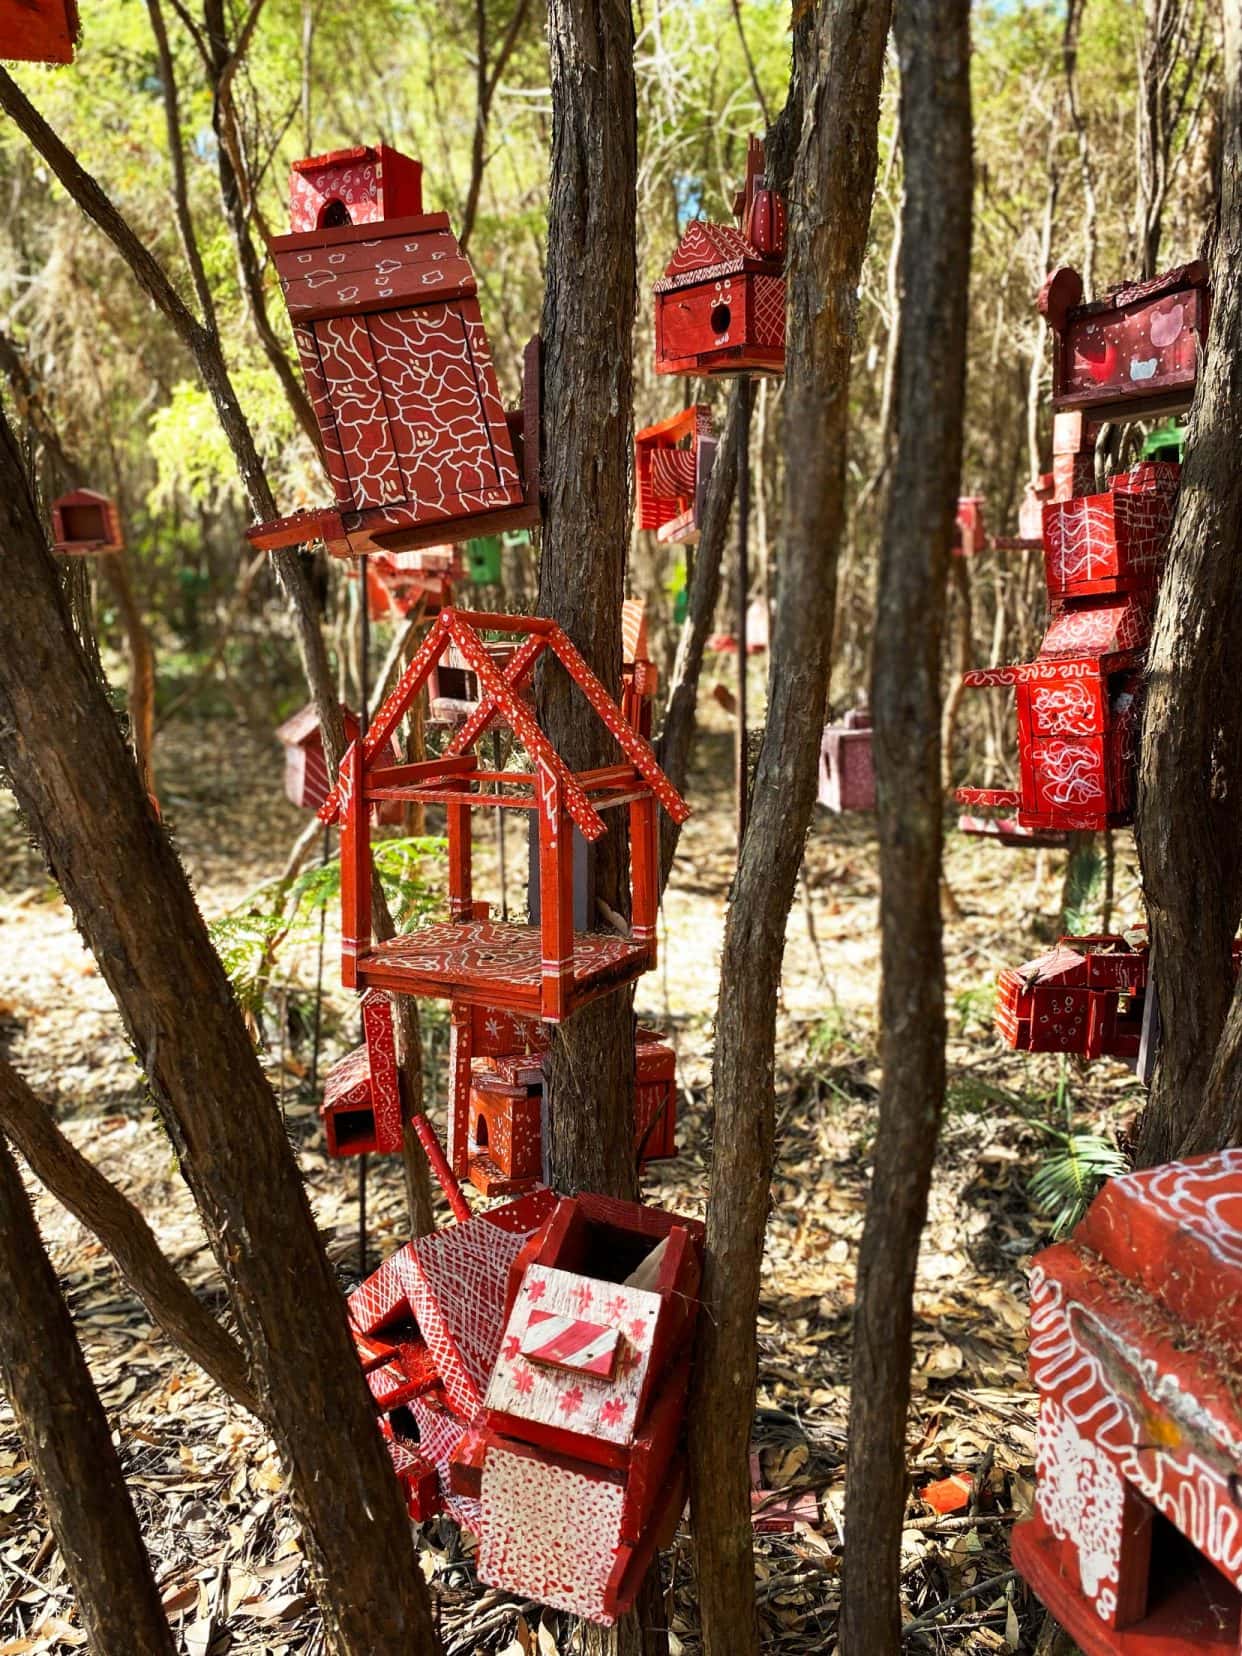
(361,1109)
(720,305)
(306,767)
(578,1463)
(1085,997)
(846,768)
(548,971)
(672,464)
(397,367)
(38,31)
(1132,354)
(1112,542)
(640,678)
(1135,1543)
(86,522)
(968,533)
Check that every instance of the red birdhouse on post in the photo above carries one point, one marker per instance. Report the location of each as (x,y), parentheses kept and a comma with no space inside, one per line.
(546,971)
(397,366)
(672,464)
(38,31)
(84,523)
(720,305)
(361,1109)
(1128,356)
(1135,1543)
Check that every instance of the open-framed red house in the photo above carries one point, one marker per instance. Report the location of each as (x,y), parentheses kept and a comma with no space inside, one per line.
(385,314)
(546,971)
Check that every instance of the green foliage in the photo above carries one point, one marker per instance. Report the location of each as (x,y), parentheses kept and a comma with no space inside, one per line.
(1067,1178)
(1084,888)
(975,1008)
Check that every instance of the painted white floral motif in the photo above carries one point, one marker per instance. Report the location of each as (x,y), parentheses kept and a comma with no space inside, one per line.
(1080,1497)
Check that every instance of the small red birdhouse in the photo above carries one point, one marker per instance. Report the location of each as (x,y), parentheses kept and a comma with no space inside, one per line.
(672,464)
(720,305)
(85,522)
(306,767)
(579,1464)
(968,532)
(1085,997)
(361,1109)
(846,768)
(545,971)
(1135,1543)
(640,677)
(38,31)
(398,369)
(1112,542)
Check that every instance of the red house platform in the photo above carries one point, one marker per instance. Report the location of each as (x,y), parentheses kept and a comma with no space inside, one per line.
(1135,1545)
(544,972)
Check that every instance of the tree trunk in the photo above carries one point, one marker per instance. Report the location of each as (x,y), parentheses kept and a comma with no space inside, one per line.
(95,1201)
(66,1434)
(140,699)
(838,67)
(81,798)
(588,321)
(1190,771)
(933,48)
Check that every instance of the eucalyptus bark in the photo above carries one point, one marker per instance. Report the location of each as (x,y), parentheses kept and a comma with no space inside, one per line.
(81,798)
(108,1214)
(66,1434)
(1190,770)
(833,117)
(933,49)
(588,322)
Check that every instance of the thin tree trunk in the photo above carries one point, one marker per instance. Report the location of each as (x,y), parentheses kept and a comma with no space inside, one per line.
(81,798)
(66,1434)
(933,48)
(1190,770)
(140,698)
(833,118)
(95,1201)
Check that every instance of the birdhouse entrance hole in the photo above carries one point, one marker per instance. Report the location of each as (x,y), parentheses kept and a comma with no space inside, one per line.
(721,317)
(1175,1592)
(354,1127)
(334,215)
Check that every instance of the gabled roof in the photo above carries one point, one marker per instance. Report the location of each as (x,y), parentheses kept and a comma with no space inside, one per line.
(712,250)
(501,699)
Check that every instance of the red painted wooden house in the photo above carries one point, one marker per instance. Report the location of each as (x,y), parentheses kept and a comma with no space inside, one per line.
(307,783)
(846,767)
(720,305)
(578,1462)
(397,365)
(85,522)
(544,972)
(1084,997)
(361,1109)
(1135,1543)
(672,464)
(38,31)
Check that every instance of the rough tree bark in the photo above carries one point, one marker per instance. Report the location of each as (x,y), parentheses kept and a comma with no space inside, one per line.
(588,321)
(834,111)
(66,1434)
(933,48)
(79,1186)
(80,795)
(1190,770)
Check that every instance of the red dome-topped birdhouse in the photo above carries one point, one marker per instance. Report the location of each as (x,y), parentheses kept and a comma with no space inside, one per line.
(720,305)
(85,522)
(38,31)
(398,369)
(672,464)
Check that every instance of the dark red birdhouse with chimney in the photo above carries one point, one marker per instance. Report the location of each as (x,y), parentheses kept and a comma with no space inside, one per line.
(397,365)
(720,305)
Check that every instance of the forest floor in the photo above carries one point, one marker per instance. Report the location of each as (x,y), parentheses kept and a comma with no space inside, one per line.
(208,1487)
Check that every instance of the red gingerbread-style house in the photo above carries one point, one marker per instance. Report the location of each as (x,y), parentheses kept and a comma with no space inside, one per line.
(38,31)
(397,365)
(546,971)
(1135,1543)
(720,305)
(672,465)
(84,523)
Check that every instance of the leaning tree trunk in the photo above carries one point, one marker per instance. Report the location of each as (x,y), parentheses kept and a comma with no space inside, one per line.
(140,699)
(1190,772)
(66,1434)
(838,67)
(933,48)
(82,800)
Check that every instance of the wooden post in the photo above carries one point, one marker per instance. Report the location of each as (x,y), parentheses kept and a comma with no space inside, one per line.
(460,862)
(556,895)
(364,649)
(461,1051)
(644,871)
(66,1434)
(743,585)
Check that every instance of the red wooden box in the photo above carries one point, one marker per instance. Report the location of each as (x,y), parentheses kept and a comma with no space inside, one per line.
(1135,1544)
(85,522)
(398,369)
(672,464)
(361,1109)
(38,31)
(1085,997)
(1112,542)
(306,768)
(846,768)
(720,305)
